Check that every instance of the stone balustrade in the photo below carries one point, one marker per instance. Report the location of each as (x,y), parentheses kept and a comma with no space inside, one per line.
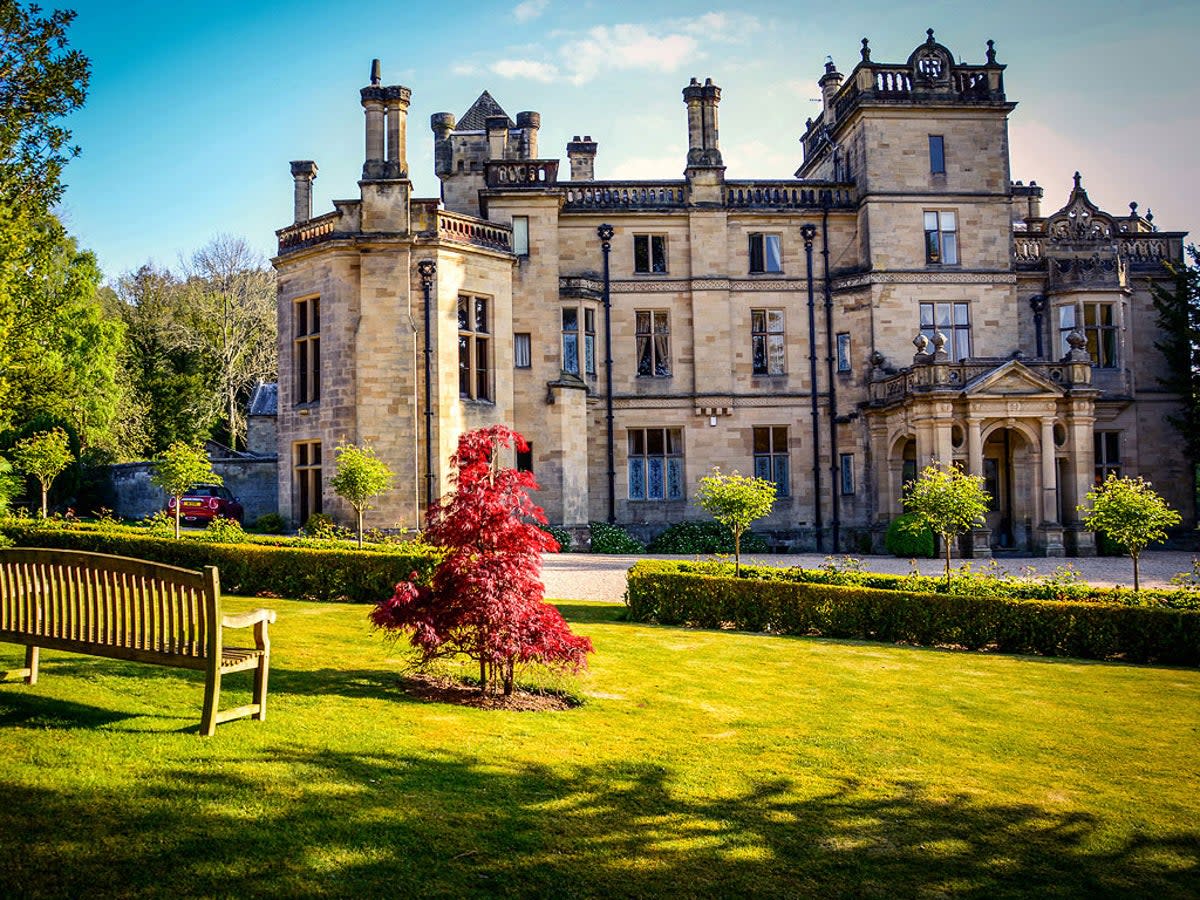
(526,173)
(1137,249)
(476,232)
(950,376)
(311,231)
(625,195)
(787,195)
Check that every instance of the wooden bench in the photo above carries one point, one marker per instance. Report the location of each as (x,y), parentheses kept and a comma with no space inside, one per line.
(130,609)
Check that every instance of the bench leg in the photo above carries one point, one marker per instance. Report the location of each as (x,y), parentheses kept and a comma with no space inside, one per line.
(260,686)
(31,663)
(212,698)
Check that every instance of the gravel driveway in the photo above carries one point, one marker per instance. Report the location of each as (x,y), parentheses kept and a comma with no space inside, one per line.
(586,576)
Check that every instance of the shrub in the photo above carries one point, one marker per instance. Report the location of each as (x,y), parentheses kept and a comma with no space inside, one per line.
(223,530)
(270,523)
(607,538)
(322,527)
(561,535)
(665,593)
(704,537)
(283,570)
(902,541)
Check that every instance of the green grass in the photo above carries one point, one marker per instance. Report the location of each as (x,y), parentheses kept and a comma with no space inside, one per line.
(701,763)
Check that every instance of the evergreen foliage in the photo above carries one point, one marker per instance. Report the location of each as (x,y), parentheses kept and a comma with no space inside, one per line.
(948,502)
(361,476)
(1130,512)
(736,501)
(44,456)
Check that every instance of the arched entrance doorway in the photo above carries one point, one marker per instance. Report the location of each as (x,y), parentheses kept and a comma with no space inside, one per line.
(1010,476)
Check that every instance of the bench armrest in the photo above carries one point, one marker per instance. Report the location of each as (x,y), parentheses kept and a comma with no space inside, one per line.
(243,620)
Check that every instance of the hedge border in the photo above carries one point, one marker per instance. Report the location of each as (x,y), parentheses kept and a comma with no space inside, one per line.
(659,592)
(306,573)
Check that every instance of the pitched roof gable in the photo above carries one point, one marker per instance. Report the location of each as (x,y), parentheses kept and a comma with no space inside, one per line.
(475,118)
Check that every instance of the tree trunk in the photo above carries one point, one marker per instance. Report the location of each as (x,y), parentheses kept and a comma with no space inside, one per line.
(360,515)
(946,541)
(1135,570)
(178,504)
(44,492)
(737,554)
(482,675)
(509,665)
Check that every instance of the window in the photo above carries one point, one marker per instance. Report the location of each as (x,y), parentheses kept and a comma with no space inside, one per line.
(1100,329)
(650,254)
(307,350)
(655,464)
(767,342)
(570,340)
(1108,454)
(843,352)
(520,236)
(525,459)
(771,458)
(306,470)
(653,342)
(941,238)
(474,346)
(951,319)
(937,154)
(589,341)
(1066,324)
(846,467)
(765,255)
(522,351)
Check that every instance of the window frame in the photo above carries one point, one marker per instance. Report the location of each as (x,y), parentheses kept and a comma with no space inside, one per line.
(520,247)
(937,154)
(941,242)
(758,243)
(651,240)
(1103,338)
(769,339)
(846,473)
(474,379)
(844,354)
(640,460)
(957,333)
(658,368)
(1104,461)
(522,350)
(307,479)
(767,455)
(306,350)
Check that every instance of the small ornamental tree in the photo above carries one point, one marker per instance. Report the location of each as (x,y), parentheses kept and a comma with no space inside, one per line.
(10,485)
(179,467)
(947,501)
(44,455)
(361,477)
(485,601)
(1131,513)
(736,501)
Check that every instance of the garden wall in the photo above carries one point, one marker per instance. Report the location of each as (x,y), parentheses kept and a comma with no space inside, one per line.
(253,480)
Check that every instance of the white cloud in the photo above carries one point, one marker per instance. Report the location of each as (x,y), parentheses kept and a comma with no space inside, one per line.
(722,26)
(525,68)
(626,47)
(529,10)
(464,69)
(669,165)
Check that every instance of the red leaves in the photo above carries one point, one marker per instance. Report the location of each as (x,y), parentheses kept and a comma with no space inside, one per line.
(486,600)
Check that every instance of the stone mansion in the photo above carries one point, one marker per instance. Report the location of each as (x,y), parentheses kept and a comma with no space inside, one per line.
(900,301)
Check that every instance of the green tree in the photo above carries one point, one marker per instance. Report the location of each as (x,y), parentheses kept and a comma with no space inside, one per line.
(179,467)
(947,501)
(44,455)
(1178,306)
(361,476)
(736,501)
(10,486)
(1130,512)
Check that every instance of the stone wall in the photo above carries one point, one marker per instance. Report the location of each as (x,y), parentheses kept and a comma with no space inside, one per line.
(253,481)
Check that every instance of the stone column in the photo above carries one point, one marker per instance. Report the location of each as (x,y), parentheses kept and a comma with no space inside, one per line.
(373,109)
(304,172)
(974,446)
(396,98)
(692,97)
(1049,475)
(709,121)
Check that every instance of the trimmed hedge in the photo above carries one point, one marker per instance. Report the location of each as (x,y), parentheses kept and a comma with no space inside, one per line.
(704,537)
(660,592)
(307,573)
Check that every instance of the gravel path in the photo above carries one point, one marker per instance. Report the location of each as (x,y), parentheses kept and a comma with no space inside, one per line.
(585,576)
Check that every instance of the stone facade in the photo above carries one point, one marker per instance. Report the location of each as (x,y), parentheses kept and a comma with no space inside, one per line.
(764,326)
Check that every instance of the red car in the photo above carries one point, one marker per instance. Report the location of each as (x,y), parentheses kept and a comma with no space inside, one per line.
(204,502)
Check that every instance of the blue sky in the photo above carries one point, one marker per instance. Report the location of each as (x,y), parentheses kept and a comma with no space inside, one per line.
(195,109)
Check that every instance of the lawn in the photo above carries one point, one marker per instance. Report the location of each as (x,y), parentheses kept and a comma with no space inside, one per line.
(701,763)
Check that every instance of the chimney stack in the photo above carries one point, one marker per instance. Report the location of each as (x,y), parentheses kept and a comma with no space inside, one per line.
(304,172)
(831,83)
(582,154)
(497,136)
(529,123)
(396,98)
(704,146)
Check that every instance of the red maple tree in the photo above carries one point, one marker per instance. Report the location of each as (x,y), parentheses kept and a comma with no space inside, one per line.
(486,598)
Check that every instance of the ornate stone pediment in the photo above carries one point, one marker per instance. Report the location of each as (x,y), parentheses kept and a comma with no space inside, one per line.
(1080,219)
(1011,379)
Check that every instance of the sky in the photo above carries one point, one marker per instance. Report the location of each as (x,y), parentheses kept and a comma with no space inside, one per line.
(196,109)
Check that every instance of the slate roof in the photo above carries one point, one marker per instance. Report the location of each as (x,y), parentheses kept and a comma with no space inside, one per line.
(475,118)
(265,400)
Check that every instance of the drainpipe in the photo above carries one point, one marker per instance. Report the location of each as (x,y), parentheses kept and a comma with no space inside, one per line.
(605,233)
(426,268)
(808,231)
(834,462)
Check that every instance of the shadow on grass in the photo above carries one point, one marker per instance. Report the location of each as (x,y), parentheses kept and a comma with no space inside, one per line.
(32,711)
(305,822)
(588,613)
